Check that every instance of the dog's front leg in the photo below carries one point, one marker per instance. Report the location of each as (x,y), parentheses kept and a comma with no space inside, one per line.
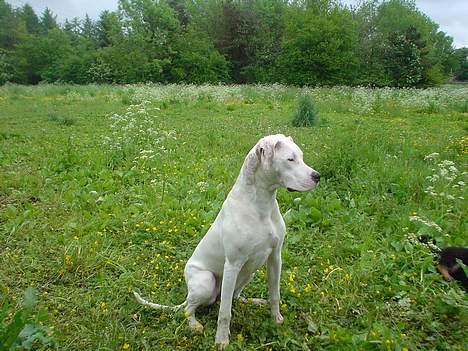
(230,274)
(273,273)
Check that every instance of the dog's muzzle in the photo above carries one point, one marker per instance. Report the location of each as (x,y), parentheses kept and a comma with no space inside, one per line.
(315,177)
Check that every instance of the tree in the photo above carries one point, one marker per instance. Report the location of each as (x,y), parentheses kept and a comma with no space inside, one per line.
(152,29)
(390,30)
(31,20)
(89,31)
(198,63)
(10,27)
(403,58)
(109,29)
(461,72)
(266,44)
(319,45)
(48,21)
(41,58)
(301,42)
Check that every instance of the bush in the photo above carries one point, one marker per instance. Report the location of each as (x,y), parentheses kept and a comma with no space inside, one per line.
(306,113)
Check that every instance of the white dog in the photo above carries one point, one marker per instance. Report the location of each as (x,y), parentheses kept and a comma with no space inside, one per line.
(247,233)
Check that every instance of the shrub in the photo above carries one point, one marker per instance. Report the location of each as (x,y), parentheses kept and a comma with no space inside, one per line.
(306,114)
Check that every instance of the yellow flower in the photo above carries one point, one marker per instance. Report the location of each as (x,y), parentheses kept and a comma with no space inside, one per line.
(240,337)
(68,259)
(125,346)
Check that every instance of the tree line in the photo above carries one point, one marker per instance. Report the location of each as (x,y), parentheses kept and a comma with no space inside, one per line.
(299,42)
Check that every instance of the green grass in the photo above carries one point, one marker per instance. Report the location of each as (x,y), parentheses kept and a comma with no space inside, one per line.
(106,189)
(306,114)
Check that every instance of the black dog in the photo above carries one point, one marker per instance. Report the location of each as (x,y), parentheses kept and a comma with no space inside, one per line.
(447,260)
(450,268)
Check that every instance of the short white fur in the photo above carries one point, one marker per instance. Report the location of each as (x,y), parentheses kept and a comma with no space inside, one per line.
(247,233)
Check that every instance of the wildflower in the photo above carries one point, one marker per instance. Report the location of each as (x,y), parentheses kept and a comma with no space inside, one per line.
(68,259)
(426,221)
(431,156)
(125,346)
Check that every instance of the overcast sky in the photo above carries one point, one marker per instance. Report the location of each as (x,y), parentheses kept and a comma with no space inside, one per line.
(451,15)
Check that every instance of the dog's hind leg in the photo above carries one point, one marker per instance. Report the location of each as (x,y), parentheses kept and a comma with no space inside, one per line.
(202,291)
(240,284)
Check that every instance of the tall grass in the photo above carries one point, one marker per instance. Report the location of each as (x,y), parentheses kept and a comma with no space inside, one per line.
(120,199)
(306,114)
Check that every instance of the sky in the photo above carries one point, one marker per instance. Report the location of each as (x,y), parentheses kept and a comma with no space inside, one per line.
(451,15)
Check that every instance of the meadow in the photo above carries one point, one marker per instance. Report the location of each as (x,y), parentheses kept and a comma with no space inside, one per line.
(107,189)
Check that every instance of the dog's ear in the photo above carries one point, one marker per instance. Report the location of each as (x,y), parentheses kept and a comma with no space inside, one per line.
(290,138)
(266,150)
(278,145)
(251,164)
(259,152)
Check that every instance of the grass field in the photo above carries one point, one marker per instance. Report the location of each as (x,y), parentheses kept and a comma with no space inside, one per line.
(106,189)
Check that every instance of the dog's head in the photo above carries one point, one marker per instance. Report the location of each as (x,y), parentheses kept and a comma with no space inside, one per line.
(281,161)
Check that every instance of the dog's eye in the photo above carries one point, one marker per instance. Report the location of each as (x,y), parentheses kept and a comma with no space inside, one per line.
(291,159)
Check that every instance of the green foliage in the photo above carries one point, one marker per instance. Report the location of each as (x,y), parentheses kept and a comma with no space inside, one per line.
(306,114)
(314,42)
(461,72)
(199,62)
(319,46)
(120,199)
(22,332)
(403,58)
(6,66)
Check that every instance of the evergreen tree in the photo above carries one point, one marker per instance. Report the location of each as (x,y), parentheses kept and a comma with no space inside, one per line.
(31,20)
(48,21)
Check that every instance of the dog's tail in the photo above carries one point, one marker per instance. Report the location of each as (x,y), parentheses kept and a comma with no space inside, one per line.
(156,305)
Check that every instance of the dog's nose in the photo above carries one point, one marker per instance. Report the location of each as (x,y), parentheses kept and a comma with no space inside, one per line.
(316,177)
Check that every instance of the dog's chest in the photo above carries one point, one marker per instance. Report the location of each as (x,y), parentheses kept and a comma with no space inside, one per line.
(260,250)
(267,238)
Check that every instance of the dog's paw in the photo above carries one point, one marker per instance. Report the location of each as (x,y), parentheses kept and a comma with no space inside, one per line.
(278,318)
(222,345)
(196,327)
(222,339)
